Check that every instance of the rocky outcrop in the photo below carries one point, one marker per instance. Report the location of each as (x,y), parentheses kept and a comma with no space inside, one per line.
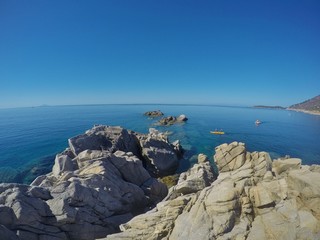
(252,198)
(161,158)
(96,184)
(170,120)
(198,177)
(159,222)
(153,114)
(105,138)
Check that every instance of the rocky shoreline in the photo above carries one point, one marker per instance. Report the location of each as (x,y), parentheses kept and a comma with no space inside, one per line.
(310,106)
(304,111)
(105,186)
(252,198)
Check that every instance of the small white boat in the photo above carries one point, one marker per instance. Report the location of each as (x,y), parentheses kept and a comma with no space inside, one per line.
(257,122)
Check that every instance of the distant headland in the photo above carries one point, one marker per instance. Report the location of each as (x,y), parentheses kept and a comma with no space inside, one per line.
(311,106)
(271,107)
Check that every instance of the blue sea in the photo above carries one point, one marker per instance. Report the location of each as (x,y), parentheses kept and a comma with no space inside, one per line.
(30,137)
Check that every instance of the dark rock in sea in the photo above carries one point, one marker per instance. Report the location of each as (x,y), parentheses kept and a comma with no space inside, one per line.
(153,114)
(170,120)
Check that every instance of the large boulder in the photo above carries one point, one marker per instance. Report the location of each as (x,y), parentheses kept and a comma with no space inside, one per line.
(230,157)
(160,156)
(64,162)
(105,138)
(198,177)
(282,165)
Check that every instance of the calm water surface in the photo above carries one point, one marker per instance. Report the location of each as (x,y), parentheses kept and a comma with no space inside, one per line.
(30,137)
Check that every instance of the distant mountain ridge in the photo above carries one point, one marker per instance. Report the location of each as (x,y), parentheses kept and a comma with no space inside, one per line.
(312,105)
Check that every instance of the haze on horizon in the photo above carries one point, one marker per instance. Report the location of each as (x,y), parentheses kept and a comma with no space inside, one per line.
(121,51)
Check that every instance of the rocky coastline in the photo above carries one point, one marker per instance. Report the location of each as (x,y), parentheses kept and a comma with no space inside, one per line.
(252,198)
(106,186)
(304,111)
(310,106)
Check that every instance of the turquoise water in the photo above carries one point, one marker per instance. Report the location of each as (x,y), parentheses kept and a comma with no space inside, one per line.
(30,137)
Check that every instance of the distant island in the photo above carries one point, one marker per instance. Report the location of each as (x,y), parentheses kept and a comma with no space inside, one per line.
(311,106)
(271,107)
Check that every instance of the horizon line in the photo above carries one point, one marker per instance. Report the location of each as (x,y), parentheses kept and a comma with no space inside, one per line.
(163,104)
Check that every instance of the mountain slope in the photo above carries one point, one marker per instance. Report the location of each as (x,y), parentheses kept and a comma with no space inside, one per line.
(311,105)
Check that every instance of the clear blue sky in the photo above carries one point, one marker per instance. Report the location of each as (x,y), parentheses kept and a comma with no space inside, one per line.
(202,52)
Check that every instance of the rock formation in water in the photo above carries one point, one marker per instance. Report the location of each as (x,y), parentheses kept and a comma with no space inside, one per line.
(95,185)
(252,198)
(170,120)
(153,114)
(105,179)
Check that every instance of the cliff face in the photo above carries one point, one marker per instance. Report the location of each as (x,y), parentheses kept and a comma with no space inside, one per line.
(312,105)
(100,184)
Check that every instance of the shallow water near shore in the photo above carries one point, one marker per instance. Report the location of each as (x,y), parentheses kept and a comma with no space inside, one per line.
(30,137)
